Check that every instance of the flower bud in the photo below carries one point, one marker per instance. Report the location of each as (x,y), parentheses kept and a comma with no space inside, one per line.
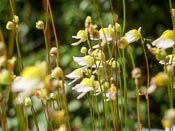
(53,96)
(161,55)
(3,60)
(161,79)
(53,51)
(11,63)
(5,77)
(117,27)
(83,50)
(57,73)
(136,73)
(16,19)
(122,43)
(10,25)
(170,70)
(40,25)
(27,101)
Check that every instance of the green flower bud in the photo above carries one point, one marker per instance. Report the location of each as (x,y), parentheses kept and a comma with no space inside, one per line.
(10,25)
(16,19)
(117,27)
(27,101)
(170,70)
(83,50)
(161,55)
(161,79)
(40,25)
(122,43)
(5,77)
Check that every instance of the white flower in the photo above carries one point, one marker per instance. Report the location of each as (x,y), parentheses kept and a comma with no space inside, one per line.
(24,87)
(166,40)
(76,75)
(84,61)
(85,86)
(132,35)
(31,78)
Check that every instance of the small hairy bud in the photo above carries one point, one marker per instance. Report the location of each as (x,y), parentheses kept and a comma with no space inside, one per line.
(53,51)
(136,73)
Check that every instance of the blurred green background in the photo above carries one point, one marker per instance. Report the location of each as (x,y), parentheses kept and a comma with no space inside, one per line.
(69,15)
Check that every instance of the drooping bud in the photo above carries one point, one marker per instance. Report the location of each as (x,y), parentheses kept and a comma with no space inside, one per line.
(27,101)
(57,73)
(136,73)
(83,50)
(122,43)
(40,25)
(53,51)
(10,25)
(5,77)
(16,19)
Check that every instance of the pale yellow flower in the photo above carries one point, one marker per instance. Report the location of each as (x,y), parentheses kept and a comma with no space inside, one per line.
(166,40)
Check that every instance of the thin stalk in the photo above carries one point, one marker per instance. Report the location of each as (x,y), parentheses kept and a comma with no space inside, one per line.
(91,112)
(12,33)
(113,113)
(54,31)
(98,113)
(124,16)
(47,52)
(3,117)
(172,16)
(66,105)
(148,78)
(101,24)
(20,64)
(173,23)
(125,90)
(131,56)
(138,105)
(26,119)
(34,117)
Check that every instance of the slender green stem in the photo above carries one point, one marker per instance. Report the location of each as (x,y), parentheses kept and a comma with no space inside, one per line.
(91,112)
(101,24)
(47,52)
(98,113)
(20,64)
(148,79)
(34,117)
(172,17)
(124,16)
(125,90)
(131,56)
(138,104)
(54,31)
